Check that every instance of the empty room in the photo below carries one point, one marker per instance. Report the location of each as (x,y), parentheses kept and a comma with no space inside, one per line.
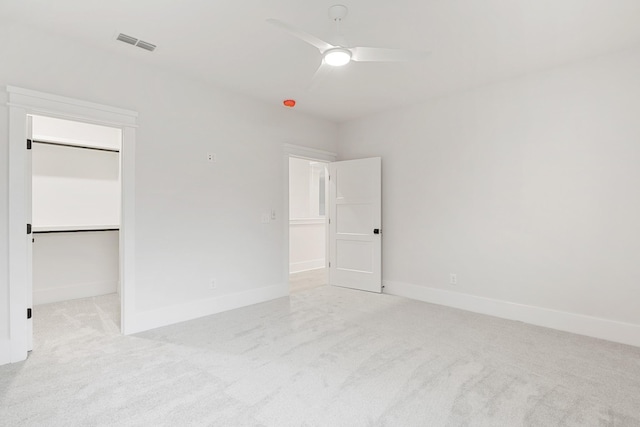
(368,213)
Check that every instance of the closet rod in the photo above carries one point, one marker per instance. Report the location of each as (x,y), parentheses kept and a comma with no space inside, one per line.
(75,231)
(113,150)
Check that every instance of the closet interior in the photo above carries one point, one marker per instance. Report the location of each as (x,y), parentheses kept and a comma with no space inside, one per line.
(75,175)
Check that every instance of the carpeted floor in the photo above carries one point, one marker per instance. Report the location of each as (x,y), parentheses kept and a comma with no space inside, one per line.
(323,357)
(306,280)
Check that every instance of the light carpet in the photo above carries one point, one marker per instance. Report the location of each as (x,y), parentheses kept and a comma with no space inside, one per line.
(323,357)
(306,280)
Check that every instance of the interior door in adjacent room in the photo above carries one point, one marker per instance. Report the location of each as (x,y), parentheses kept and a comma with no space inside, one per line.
(355,245)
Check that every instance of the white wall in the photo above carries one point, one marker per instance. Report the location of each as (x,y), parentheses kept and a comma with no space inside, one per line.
(74,265)
(194,220)
(527,189)
(307,229)
(299,186)
(307,244)
(76,133)
(75,187)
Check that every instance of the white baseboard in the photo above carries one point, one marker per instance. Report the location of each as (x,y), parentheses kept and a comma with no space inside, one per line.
(5,352)
(83,290)
(611,330)
(181,313)
(312,264)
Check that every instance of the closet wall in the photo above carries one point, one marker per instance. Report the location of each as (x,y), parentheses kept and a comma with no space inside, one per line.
(307,228)
(76,209)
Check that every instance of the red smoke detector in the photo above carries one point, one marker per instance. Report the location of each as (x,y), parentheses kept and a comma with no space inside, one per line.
(289,103)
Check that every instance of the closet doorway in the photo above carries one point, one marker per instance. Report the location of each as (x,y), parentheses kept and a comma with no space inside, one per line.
(308,228)
(76,215)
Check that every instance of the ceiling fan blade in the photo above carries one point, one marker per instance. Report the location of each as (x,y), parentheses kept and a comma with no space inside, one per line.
(312,40)
(379,54)
(321,74)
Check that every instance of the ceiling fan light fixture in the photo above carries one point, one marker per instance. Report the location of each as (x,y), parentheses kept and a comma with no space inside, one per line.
(337,57)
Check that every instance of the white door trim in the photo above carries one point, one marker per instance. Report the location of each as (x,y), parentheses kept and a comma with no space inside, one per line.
(301,152)
(291,150)
(23,102)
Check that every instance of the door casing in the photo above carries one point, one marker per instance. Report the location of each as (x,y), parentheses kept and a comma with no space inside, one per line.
(301,152)
(25,102)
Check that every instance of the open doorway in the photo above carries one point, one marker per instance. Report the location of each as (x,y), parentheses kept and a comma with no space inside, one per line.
(22,104)
(308,190)
(76,197)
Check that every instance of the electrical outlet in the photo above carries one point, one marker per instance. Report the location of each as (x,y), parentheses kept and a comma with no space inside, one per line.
(266,217)
(212,284)
(453,279)
(211,157)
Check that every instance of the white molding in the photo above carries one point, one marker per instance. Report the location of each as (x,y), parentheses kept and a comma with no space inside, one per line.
(206,307)
(308,153)
(127,242)
(5,352)
(81,290)
(312,264)
(18,256)
(307,221)
(61,105)
(24,102)
(611,330)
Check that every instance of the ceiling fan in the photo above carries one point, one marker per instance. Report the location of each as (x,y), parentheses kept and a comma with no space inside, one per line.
(337,55)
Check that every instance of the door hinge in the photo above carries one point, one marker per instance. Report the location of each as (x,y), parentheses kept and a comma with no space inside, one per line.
(329,220)
(329,263)
(28,313)
(29,144)
(28,228)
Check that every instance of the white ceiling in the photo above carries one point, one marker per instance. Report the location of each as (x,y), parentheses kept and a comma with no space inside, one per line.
(228,42)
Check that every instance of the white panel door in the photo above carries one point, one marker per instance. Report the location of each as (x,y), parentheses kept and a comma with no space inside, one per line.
(355,219)
(28,210)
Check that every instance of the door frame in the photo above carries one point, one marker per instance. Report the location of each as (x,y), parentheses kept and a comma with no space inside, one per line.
(24,102)
(306,153)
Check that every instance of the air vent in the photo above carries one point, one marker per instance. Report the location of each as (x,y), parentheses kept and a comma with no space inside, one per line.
(135,42)
(147,46)
(127,39)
